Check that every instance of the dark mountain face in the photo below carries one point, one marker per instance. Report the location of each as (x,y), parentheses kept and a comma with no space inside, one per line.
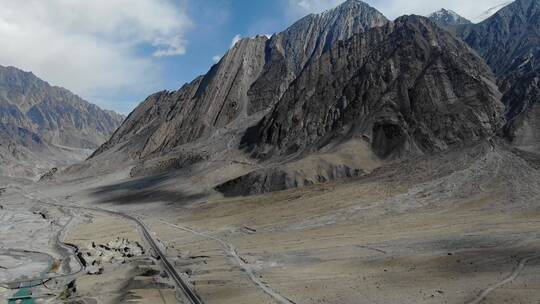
(408,88)
(509,41)
(447,18)
(249,79)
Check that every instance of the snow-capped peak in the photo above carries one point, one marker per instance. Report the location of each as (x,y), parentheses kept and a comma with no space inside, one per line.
(446,17)
(444,12)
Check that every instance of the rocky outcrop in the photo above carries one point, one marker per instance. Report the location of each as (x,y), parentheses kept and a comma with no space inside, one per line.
(408,87)
(509,41)
(445,18)
(249,79)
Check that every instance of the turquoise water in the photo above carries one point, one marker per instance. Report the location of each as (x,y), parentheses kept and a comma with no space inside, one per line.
(24,293)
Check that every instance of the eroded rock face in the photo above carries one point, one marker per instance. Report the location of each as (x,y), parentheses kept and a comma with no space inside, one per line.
(249,79)
(409,87)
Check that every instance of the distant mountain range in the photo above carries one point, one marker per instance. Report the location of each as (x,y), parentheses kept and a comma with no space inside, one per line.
(44,126)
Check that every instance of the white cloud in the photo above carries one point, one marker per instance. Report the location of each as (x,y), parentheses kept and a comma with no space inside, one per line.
(92,47)
(395,8)
(216,58)
(235,40)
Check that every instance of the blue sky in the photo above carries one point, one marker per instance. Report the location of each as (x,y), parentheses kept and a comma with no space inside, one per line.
(216,23)
(116,52)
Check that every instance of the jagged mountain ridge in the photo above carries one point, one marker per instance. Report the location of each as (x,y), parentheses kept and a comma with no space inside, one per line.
(445,18)
(248,80)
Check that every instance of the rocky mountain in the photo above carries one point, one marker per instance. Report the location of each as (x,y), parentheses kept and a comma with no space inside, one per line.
(509,41)
(424,96)
(444,18)
(335,95)
(408,88)
(47,123)
(248,80)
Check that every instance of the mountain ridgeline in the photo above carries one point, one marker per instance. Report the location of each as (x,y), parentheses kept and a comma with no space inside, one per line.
(338,94)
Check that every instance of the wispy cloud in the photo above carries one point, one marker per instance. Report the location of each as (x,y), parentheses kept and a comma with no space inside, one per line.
(216,58)
(92,46)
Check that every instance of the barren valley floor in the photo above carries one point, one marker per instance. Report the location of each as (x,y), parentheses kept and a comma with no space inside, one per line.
(462,228)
